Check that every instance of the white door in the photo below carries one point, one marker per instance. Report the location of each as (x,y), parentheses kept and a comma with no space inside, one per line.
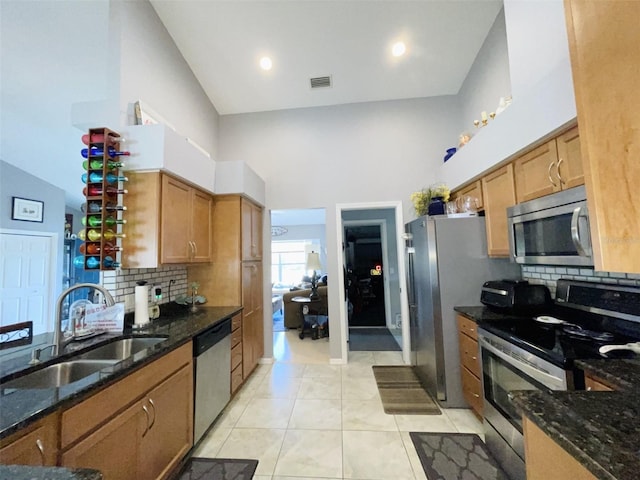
(26,280)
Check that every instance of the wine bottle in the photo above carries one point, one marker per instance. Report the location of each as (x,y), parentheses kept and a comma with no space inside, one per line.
(94,248)
(96,221)
(96,207)
(98,191)
(95,177)
(97,165)
(99,152)
(109,262)
(100,138)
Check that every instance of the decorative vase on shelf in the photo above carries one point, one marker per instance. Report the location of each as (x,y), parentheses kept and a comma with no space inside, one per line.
(436,206)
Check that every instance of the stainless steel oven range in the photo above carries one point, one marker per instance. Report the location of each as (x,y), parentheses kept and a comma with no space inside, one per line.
(538,354)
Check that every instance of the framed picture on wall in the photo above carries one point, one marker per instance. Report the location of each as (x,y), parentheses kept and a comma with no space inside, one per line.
(27,210)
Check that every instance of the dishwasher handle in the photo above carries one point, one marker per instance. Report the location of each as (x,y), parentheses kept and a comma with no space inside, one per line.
(207,339)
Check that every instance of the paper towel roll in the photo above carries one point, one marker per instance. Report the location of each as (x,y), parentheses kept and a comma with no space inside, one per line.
(141,316)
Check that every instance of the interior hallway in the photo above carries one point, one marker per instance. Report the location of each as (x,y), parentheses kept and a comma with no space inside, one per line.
(302,417)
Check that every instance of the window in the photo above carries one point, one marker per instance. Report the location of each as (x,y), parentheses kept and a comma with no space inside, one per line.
(288,260)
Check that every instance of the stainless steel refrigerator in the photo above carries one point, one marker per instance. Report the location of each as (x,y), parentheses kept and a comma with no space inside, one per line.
(447,263)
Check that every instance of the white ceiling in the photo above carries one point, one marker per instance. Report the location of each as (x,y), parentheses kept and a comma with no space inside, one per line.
(223,41)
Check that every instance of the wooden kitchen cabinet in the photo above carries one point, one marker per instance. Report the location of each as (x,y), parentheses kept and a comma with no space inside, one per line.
(145,422)
(596,384)
(236,353)
(470,370)
(251,231)
(556,165)
(474,189)
(37,445)
(168,222)
(603,38)
(233,278)
(252,316)
(546,460)
(498,192)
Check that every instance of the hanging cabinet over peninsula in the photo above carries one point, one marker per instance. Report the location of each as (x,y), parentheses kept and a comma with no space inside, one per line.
(603,46)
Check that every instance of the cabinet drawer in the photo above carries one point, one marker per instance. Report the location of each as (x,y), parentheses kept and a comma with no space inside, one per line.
(468,327)
(472,390)
(236,379)
(236,322)
(469,354)
(596,385)
(236,337)
(236,356)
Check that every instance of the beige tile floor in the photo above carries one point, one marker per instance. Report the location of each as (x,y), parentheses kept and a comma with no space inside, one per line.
(303,418)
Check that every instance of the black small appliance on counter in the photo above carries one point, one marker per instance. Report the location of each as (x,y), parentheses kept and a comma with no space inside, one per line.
(515,296)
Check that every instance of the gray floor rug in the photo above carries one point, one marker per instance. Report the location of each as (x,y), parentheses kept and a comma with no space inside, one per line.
(455,456)
(401,392)
(376,339)
(218,469)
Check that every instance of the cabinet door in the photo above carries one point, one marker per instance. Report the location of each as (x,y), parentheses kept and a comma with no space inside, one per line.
(201,233)
(170,430)
(38,447)
(595,385)
(252,321)
(251,231)
(473,190)
(535,172)
(112,449)
(175,221)
(499,193)
(569,167)
(603,38)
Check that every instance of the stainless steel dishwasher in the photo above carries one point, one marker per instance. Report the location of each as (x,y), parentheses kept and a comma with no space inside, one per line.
(212,359)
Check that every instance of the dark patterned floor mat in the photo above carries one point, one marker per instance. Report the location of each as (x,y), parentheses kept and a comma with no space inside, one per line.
(455,456)
(218,469)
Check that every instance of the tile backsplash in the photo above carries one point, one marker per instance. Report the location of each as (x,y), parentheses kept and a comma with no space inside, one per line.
(121,283)
(548,275)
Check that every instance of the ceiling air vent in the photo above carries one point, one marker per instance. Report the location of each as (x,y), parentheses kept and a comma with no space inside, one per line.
(321,82)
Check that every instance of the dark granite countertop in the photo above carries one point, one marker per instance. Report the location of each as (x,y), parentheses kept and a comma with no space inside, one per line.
(19,407)
(620,374)
(18,472)
(481,314)
(600,430)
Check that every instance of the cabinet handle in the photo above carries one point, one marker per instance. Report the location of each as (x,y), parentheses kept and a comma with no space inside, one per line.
(475,358)
(476,395)
(146,412)
(549,174)
(195,248)
(589,389)
(41,450)
(558,174)
(153,422)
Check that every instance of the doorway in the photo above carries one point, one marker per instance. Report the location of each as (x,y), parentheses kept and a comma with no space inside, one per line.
(381,226)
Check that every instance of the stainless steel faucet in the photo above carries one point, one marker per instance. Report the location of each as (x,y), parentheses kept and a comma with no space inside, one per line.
(59,343)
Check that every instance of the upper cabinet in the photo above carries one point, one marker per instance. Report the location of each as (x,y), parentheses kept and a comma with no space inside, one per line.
(498,192)
(603,45)
(251,231)
(169,222)
(553,166)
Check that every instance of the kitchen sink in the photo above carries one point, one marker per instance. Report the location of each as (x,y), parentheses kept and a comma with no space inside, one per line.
(121,349)
(59,374)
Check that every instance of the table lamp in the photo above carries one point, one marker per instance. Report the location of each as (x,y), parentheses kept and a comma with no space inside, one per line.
(313,263)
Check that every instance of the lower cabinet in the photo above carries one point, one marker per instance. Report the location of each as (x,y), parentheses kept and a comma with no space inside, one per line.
(37,447)
(596,384)
(546,460)
(236,353)
(146,438)
(470,364)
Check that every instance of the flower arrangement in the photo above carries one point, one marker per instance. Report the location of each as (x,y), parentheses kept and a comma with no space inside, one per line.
(422,198)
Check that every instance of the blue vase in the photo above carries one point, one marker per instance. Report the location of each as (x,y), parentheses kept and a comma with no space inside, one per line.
(436,206)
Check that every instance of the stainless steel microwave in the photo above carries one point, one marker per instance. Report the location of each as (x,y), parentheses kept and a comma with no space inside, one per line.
(551,230)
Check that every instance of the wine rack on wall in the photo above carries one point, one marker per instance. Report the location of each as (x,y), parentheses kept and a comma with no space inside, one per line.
(103,208)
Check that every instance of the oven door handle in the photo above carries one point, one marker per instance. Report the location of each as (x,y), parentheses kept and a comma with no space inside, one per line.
(550,381)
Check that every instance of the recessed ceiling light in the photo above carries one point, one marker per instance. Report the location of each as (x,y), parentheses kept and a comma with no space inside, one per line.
(398,49)
(266,63)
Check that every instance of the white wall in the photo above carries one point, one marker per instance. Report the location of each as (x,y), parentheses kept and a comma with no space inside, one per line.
(542,86)
(153,70)
(488,79)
